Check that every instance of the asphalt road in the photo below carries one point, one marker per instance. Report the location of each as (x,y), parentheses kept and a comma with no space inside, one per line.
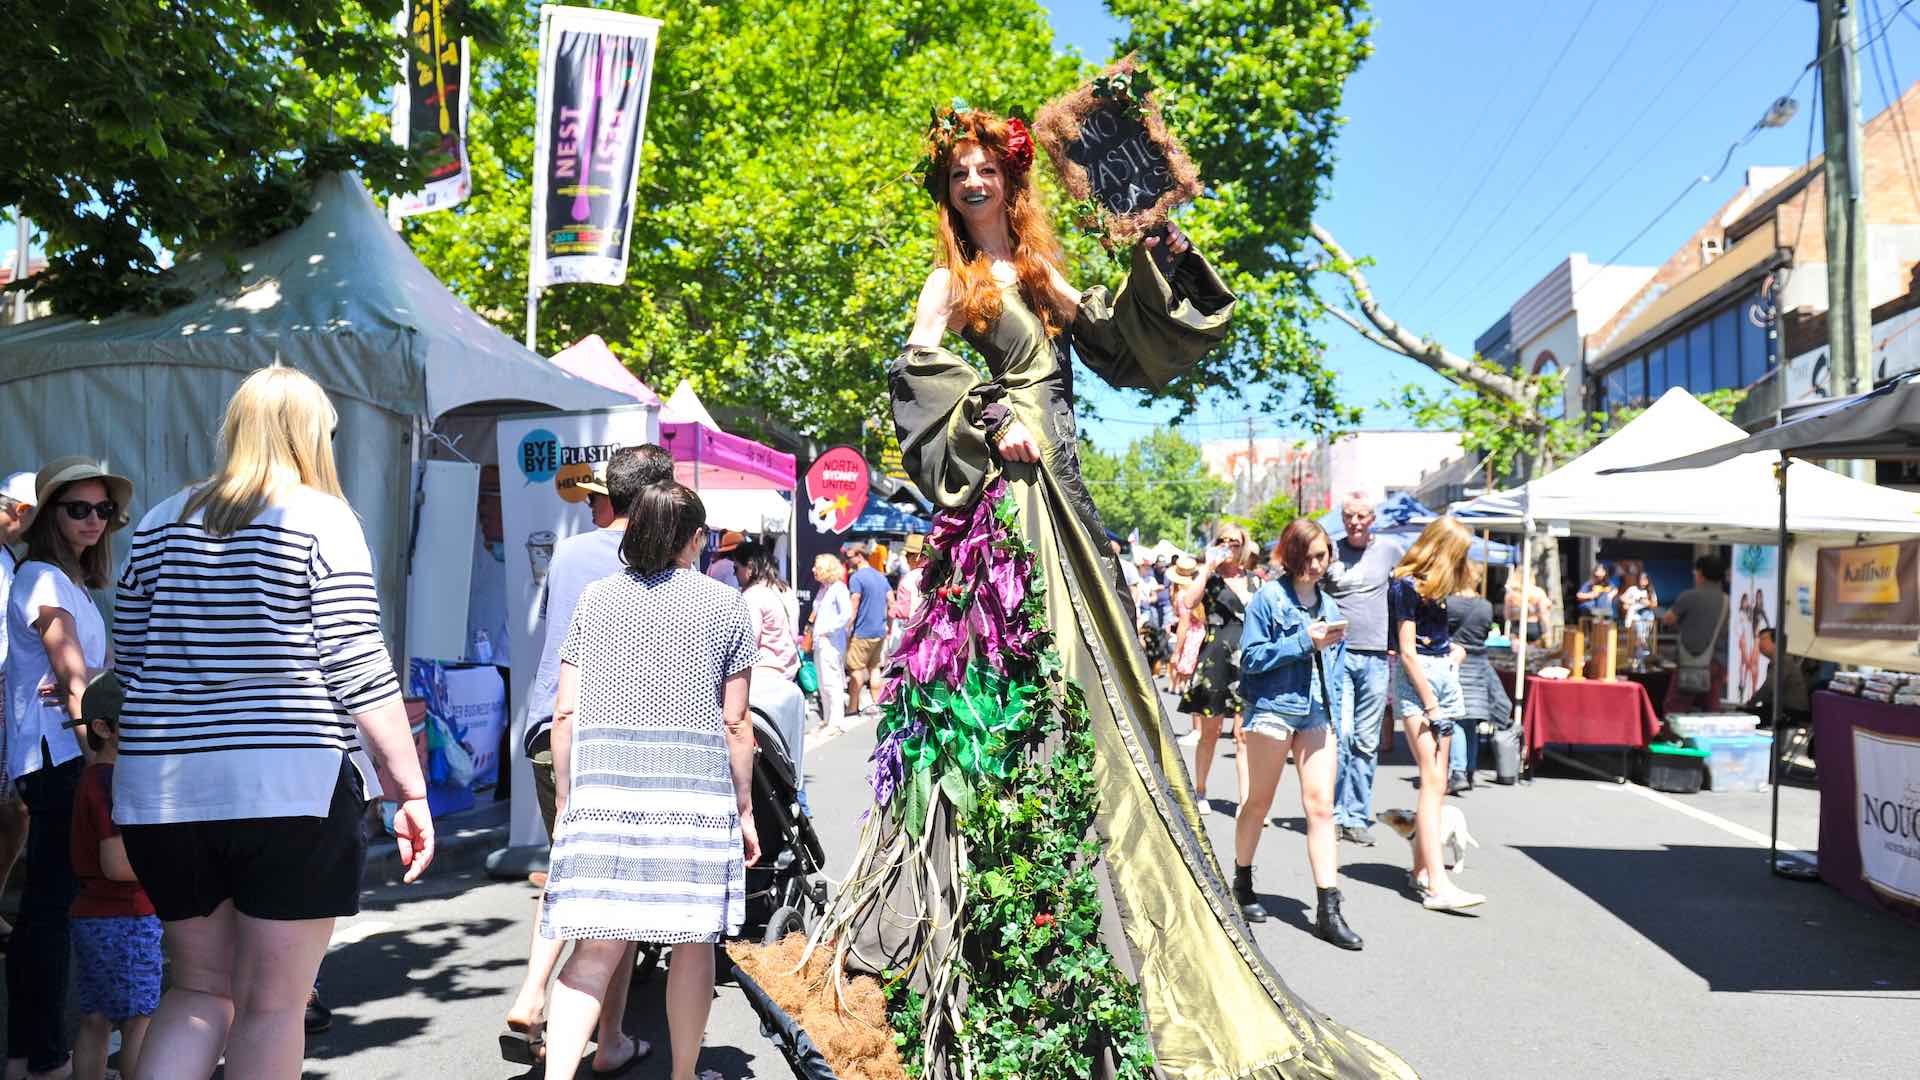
(1627,933)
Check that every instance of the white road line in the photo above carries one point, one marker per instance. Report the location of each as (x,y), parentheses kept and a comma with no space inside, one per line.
(1751,836)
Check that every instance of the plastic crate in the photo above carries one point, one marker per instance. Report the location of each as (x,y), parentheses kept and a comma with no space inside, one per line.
(1712,725)
(1736,762)
(1674,768)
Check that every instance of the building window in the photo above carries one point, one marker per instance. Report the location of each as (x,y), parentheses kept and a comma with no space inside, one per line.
(1700,359)
(1633,383)
(1657,383)
(1726,349)
(1754,361)
(1547,364)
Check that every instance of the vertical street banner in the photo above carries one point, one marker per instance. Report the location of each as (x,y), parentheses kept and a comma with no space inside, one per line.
(833,491)
(1755,608)
(596,69)
(543,456)
(430,108)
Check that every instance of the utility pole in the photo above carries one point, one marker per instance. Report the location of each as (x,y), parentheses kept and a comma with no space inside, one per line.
(1251,459)
(23,233)
(1849,312)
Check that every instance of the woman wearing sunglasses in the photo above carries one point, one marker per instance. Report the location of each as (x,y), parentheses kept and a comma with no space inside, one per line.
(56,642)
(1220,592)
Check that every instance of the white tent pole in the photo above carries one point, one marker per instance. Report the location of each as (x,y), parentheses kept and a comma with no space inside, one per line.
(1775,673)
(1526,613)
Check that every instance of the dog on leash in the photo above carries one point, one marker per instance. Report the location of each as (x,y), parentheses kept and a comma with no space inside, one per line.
(1454,837)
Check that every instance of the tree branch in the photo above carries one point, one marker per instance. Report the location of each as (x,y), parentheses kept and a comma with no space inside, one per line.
(1390,335)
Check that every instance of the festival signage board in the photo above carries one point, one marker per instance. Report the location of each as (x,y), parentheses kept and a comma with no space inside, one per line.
(1871,591)
(430,109)
(1887,780)
(1110,145)
(543,457)
(1756,607)
(833,492)
(596,71)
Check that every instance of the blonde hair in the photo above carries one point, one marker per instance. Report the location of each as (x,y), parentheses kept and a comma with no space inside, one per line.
(278,433)
(828,569)
(1438,560)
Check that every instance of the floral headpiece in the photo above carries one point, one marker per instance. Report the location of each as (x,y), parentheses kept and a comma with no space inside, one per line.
(944,129)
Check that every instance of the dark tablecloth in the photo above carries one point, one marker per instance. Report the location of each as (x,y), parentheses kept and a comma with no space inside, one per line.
(1835,717)
(1584,712)
(1656,680)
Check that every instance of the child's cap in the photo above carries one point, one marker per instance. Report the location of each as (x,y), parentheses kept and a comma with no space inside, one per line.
(103,698)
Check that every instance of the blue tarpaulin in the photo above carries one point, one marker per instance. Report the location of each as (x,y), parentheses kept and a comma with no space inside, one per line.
(881,516)
(1400,514)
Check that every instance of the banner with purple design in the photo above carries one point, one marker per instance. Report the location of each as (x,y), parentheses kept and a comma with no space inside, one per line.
(596,68)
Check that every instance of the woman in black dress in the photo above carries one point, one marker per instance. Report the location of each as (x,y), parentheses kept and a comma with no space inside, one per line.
(1220,593)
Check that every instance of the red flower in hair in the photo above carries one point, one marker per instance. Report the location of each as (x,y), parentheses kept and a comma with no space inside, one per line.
(1019,145)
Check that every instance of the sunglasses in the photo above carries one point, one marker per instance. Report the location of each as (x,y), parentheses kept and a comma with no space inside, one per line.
(78,509)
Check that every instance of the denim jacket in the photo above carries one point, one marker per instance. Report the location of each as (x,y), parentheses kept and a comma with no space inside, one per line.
(1276,655)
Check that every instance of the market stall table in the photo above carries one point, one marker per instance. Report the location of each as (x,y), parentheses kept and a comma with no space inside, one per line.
(1892,881)
(1587,712)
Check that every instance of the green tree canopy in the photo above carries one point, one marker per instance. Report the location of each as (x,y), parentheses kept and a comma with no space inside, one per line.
(1264,525)
(1158,485)
(135,127)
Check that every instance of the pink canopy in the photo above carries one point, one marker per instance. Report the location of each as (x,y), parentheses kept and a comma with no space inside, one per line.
(591,359)
(705,458)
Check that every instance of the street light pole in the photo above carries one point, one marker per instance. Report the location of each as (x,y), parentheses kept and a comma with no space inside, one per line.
(1849,312)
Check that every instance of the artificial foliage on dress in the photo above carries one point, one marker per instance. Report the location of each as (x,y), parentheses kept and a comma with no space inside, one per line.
(1025,987)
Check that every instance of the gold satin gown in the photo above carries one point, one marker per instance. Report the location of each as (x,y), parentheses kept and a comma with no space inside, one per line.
(1215,1009)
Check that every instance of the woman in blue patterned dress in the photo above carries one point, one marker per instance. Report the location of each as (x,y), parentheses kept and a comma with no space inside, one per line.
(653,757)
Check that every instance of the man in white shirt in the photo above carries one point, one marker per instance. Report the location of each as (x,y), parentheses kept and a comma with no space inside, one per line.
(16,513)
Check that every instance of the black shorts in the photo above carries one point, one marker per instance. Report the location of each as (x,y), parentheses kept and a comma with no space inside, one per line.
(281,868)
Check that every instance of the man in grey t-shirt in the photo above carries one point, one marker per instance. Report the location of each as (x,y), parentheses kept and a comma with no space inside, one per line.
(1696,614)
(1357,580)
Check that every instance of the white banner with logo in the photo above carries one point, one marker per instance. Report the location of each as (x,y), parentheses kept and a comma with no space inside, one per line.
(542,457)
(1756,607)
(1887,778)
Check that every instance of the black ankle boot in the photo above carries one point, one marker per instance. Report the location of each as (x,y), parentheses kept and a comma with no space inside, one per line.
(1250,908)
(1330,926)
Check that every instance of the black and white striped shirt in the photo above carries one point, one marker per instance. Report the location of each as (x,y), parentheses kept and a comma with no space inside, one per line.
(244,658)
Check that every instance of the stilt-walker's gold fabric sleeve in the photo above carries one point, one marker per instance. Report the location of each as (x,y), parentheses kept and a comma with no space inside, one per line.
(938,405)
(1157,326)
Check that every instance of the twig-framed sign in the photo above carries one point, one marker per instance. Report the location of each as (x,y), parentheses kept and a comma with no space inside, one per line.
(1114,154)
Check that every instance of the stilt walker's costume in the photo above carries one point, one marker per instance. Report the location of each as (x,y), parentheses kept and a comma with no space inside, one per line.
(1035,871)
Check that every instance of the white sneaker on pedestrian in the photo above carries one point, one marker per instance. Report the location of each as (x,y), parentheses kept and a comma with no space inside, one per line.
(1190,740)
(1454,898)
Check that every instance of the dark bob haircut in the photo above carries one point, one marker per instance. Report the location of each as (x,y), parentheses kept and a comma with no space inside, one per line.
(663,521)
(1296,540)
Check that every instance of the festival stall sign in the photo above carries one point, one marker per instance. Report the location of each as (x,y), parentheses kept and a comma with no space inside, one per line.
(430,107)
(596,70)
(1886,771)
(543,457)
(1109,142)
(831,496)
(1868,592)
(1756,603)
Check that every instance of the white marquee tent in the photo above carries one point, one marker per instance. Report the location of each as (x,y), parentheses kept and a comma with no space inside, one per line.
(342,298)
(1732,502)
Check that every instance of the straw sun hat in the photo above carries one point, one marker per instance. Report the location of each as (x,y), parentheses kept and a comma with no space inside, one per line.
(60,472)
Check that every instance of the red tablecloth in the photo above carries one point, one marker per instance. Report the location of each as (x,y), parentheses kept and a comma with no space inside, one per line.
(1584,712)
(1835,717)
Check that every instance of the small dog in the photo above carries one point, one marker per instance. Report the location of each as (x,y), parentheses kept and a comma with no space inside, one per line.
(1454,837)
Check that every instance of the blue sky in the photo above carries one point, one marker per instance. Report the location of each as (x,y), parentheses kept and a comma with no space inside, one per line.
(1472,122)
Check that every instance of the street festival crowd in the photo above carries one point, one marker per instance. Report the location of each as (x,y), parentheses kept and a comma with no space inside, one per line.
(200,788)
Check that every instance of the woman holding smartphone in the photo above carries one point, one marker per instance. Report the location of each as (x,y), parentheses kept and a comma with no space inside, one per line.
(1220,593)
(1294,636)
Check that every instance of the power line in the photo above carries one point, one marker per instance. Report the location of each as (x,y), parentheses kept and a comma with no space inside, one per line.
(1678,69)
(1533,99)
(1559,136)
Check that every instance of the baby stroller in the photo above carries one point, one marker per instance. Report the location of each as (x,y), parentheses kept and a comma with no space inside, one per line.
(785,889)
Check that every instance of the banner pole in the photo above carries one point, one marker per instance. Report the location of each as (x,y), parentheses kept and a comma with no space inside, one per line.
(533,310)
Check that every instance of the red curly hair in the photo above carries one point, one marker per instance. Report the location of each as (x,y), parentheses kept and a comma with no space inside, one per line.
(1036,249)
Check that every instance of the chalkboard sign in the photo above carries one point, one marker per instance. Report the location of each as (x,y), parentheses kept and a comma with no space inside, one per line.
(1112,150)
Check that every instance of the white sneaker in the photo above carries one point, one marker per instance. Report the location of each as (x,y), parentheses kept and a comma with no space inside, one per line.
(1454,899)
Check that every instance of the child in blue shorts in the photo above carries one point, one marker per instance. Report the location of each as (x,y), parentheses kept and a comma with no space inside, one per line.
(116,936)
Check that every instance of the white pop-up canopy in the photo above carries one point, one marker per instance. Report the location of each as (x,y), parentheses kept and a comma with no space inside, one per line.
(1730,502)
(340,297)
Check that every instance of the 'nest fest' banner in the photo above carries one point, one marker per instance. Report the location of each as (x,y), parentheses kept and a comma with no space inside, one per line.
(430,108)
(596,68)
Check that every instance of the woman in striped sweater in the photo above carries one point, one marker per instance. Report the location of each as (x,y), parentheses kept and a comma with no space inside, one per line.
(247,634)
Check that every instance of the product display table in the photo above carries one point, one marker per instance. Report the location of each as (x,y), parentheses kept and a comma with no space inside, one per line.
(1586,712)
(1869,774)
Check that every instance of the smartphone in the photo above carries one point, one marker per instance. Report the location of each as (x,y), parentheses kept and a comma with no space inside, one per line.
(1337,624)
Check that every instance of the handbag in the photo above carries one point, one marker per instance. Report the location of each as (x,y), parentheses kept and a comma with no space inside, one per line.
(808,677)
(1695,673)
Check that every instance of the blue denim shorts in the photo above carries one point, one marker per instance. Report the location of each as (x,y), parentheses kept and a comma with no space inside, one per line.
(1444,678)
(117,965)
(1277,726)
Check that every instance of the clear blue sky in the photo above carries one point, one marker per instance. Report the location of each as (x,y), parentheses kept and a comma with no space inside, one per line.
(1469,126)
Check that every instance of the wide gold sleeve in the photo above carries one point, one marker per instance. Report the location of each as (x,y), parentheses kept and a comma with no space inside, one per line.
(943,412)
(1157,326)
